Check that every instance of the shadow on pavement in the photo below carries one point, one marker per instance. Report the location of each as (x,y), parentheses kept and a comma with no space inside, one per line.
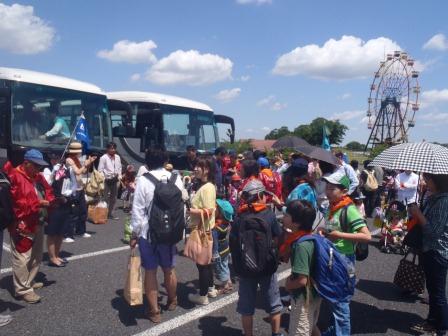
(7,283)
(382,290)
(211,325)
(5,305)
(369,319)
(128,315)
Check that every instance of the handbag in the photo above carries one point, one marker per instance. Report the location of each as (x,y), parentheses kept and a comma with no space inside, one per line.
(410,276)
(97,213)
(199,244)
(95,185)
(133,288)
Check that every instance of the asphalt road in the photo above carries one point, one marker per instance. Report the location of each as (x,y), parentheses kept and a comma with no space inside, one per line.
(85,298)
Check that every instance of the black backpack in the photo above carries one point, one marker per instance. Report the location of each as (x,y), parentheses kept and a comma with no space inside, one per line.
(167,218)
(253,250)
(361,249)
(6,212)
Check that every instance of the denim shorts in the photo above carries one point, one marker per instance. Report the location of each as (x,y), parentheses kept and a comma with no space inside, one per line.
(247,295)
(153,255)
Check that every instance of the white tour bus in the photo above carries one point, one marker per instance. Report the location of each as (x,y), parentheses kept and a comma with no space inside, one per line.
(171,122)
(30,102)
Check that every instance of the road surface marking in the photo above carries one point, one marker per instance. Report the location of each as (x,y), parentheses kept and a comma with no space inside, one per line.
(81,256)
(197,313)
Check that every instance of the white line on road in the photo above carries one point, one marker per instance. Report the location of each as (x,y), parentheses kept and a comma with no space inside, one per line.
(81,256)
(197,313)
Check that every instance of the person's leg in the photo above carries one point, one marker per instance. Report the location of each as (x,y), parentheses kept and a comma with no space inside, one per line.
(203,279)
(247,321)
(151,290)
(113,197)
(4,319)
(20,272)
(341,315)
(273,304)
(57,245)
(82,214)
(36,254)
(170,281)
(428,268)
(51,247)
(107,193)
(438,301)
(298,318)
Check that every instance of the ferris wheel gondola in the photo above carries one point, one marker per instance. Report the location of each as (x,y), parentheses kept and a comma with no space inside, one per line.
(393,100)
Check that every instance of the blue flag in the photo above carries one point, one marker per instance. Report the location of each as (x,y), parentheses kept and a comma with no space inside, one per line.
(325,139)
(82,134)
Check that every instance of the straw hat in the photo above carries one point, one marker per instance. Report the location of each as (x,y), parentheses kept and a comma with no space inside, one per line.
(75,148)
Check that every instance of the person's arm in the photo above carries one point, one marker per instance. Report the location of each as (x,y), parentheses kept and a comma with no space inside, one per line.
(354,182)
(296,281)
(119,168)
(55,130)
(181,187)
(361,236)
(143,196)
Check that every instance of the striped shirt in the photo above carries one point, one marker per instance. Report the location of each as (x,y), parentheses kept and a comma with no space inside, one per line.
(435,232)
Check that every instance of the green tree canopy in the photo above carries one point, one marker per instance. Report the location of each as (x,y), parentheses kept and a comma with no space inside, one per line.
(277,133)
(355,146)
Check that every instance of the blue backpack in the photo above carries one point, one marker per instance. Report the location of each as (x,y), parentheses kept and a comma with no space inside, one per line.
(332,276)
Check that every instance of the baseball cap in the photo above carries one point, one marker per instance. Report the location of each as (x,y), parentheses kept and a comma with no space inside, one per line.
(338,179)
(300,163)
(253,188)
(35,156)
(263,162)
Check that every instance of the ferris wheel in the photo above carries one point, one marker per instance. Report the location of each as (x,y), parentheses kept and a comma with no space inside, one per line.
(393,100)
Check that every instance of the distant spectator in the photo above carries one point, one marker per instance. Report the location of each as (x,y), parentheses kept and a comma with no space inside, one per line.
(406,184)
(346,169)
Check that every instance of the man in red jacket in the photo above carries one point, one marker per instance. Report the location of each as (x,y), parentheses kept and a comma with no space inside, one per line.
(31,197)
(271,180)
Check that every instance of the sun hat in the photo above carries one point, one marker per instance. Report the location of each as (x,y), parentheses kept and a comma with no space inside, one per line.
(338,178)
(35,156)
(75,148)
(263,162)
(225,208)
(240,157)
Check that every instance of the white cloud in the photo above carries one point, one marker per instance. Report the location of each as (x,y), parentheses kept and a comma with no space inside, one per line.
(249,130)
(271,103)
(364,120)
(22,32)
(266,129)
(191,68)
(253,2)
(135,77)
(434,97)
(345,96)
(244,78)
(347,58)
(347,115)
(130,52)
(226,96)
(440,117)
(437,42)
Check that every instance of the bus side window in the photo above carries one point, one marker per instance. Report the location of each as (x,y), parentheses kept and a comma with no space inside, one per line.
(5,111)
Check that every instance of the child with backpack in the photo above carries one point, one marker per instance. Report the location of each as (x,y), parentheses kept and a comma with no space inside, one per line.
(298,222)
(345,227)
(253,244)
(221,250)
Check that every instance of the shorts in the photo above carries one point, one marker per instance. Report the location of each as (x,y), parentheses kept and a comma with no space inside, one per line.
(303,316)
(154,255)
(247,295)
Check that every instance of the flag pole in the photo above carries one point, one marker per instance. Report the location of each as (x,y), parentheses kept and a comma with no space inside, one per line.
(71,136)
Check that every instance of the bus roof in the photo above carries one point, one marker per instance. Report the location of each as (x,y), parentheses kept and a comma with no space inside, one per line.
(151,97)
(41,78)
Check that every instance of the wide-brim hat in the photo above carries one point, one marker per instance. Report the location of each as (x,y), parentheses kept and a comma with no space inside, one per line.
(75,148)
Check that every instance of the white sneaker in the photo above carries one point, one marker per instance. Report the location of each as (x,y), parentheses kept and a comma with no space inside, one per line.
(5,319)
(200,300)
(86,235)
(68,240)
(212,292)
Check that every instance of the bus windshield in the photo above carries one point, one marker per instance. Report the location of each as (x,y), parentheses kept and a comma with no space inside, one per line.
(175,127)
(46,116)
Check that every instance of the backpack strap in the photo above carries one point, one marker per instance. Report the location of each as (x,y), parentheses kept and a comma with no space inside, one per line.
(173,178)
(151,178)
(343,220)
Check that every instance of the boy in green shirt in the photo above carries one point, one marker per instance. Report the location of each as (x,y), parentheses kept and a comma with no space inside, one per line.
(298,222)
(356,232)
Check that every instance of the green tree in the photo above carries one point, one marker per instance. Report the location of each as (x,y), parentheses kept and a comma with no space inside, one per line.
(377,150)
(239,146)
(277,133)
(313,131)
(355,146)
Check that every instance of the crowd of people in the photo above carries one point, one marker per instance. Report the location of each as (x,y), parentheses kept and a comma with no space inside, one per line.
(230,204)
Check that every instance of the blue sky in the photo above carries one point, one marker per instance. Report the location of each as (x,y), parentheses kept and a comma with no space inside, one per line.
(236,55)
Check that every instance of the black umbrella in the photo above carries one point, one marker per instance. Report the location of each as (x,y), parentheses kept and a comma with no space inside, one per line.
(289,141)
(318,153)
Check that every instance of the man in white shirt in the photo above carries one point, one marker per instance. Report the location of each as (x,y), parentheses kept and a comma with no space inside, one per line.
(406,184)
(154,255)
(110,167)
(348,170)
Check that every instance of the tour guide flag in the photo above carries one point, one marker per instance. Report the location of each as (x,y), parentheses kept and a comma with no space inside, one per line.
(82,134)
(325,139)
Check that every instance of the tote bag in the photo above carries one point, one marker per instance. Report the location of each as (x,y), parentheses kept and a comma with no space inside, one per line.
(199,244)
(133,288)
(410,276)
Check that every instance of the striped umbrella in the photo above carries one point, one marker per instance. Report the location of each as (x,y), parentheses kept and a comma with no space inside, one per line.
(422,157)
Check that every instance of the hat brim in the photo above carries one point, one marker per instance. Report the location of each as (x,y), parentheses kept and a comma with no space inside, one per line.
(38,162)
(75,151)
(331,180)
